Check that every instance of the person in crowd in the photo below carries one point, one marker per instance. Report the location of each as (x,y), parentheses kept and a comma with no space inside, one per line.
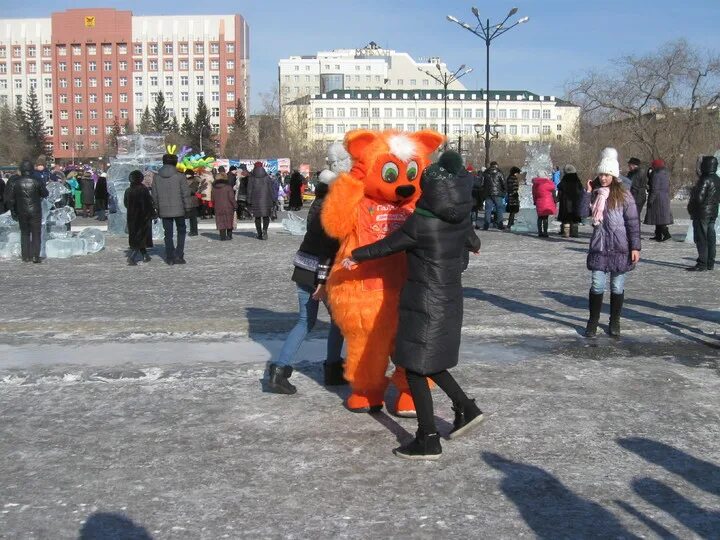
(241,192)
(224,202)
(495,189)
(312,265)
(75,191)
(615,242)
(232,176)
(638,176)
(3,208)
(570,194)
(41,172)
(703,210)
(172,201)
(513,195)
(194,187)
(296,188)
(101,197)
(206,182)
(545,198)
(658,203)
(87,188)
(23,196)
(262,196)
(478,197)
(556,176)
(140,213)
(434,237)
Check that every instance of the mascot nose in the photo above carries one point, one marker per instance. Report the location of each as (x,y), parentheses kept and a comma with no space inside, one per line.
(405,191)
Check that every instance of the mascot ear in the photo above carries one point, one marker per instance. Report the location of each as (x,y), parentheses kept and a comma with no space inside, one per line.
(428,140)
(358,140)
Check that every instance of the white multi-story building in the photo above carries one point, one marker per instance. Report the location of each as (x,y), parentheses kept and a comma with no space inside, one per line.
(514,115)
(369,68)
(92,67)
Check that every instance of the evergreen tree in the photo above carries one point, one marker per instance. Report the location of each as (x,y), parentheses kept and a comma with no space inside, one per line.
(145,126)
(20,120)
(36,133)
(13,147)
(128,128)
(111,145)
(160,115)
(174,127)
(186,130)
(202,134)
(238,143)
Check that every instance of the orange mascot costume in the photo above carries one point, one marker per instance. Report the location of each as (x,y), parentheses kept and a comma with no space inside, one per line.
(363,206)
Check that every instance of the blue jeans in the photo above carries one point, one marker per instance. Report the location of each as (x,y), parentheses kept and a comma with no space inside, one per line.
(617,282)
(308,310)
(171,251)
(497,204)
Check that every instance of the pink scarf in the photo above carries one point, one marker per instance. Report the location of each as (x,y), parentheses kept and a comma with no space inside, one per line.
(598,207)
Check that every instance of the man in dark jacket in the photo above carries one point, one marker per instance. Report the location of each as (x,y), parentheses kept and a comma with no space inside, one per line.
(241,192)
(703,209)
(87,187)
(24,198)
(101,197)
(262,197)
(495,189)
(638,175)
(171,194)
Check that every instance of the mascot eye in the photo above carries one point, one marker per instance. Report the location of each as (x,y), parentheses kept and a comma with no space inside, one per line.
(412,170)
(390,172)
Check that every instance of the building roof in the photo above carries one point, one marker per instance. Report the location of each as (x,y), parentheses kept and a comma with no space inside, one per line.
(432,95)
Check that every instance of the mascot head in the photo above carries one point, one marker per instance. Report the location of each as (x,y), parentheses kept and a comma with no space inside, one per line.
(391,163)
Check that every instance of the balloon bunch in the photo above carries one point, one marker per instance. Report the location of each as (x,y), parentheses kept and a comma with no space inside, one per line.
(191,162)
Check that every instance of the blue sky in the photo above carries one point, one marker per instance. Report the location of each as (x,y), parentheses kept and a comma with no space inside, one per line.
(562,39)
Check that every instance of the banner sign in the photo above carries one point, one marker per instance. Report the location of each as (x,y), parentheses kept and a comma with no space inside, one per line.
(272,166)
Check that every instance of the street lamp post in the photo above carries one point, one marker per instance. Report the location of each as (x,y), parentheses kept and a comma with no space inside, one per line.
(445,78)
(202,129)
(487,33)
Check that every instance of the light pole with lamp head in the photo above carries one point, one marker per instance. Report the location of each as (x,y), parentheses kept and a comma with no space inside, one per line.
(445,78)
(202,129)
(487,33)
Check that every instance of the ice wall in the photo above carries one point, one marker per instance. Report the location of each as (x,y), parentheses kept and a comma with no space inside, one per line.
(537,164)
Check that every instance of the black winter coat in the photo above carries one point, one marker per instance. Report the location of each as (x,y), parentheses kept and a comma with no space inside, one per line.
(87,187)
(101,190)
(435,238)
(24,195)
(316,243)
(570,194)
(638,189)
(494,183)
(140,210)
(261,193)
(705,194)
(296,182)
(513,194)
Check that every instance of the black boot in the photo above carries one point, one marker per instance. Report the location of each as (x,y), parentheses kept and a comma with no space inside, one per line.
(665,234)
(229,234)
(278,380)
(223,235)
(616,303)
(595,303)
(467,416)
(131,258)
(423,446)
(574,233)
(334,374)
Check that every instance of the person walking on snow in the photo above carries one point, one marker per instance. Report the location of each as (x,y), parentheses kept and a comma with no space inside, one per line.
(494,189)
(225,204)
(23,197)
(703,209)
(171,194)
(615,241)
(544,198)
(658,203)
(435,238)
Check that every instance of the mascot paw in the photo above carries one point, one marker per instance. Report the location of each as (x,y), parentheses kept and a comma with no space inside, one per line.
(405,406)
(362,403)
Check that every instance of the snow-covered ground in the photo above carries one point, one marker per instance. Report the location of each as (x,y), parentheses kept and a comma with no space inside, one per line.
(130,401)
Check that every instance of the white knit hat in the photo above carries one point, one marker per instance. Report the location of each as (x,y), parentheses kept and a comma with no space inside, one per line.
(609,162)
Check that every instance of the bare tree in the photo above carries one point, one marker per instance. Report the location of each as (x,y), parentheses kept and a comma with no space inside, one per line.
(660,105)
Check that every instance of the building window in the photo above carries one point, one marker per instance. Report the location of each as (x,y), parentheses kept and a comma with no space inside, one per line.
(525,130)
(388,112)
(153,80)
(64,130)
(31,51)
(318,112)
(78,98)
(230,80)
(341,112)
(122,65)
(138,97)
(184,65)
(123,113)
(526,114)
(215,80)
(536,130)
(214,48)
(109,115)
(559,127)
(215,112)
(168,48)
(183,48)
(138,81)
(230,96)
(47,51)
(138,65)
(77,66)
(512,114)
(137,48)
(78,115)
(184,96)
(168,65)
(536,114)
(123,81)
(92,98)
(93,130)
(318,129)
(364,112)
(546,114)
(512,130)
(47,67)
(199,80)
(502,114)
(77,82)
(230,47)
(123,98)
(107,65)
(152,48)
(215,96)
(230,113)
(199,64)
(152,65)
(184,112)
(214,65)
(108,98)
(375,112)
(62,50)
(63,83)
(92,82)
(184,80)
(168,80)
(62,66)
(92,66)
(107,48)
(199,47)
(545,130)
(94,145)
(329,113)
(230,64)
(17,67)
(122,48)
(107,81)
(64,145)
(93,113)
(169,97)
(47,83)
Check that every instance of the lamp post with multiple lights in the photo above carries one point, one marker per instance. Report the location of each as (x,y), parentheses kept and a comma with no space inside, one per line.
(445,78)
(487,33)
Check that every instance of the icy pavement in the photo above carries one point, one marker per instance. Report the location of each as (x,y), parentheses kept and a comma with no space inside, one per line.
(130,401)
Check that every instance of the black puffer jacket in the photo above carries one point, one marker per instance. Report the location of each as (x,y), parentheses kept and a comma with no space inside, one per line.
(638,189)
(513,192)
(316,243)
(705,194)
(24,195)
(435,238)
(494,183)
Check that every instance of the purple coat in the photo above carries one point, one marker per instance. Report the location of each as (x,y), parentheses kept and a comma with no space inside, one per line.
(614,239)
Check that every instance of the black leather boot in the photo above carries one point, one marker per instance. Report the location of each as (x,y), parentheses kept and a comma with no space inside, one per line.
(229,234)
(334,374)
(616,304)
(574,230)
(595,304)
(278,380)
(467,416)
(223,235)
(423,446)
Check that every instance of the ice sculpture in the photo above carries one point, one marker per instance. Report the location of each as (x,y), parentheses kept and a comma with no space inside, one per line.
(62,248)
(537,164)
(141,152)
(294,224)
(94,239)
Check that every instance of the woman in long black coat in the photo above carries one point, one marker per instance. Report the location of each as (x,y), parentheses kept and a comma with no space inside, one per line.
(658,201)
(140,212)
(296,182)
(435,238)
(513,195)
(570,194)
